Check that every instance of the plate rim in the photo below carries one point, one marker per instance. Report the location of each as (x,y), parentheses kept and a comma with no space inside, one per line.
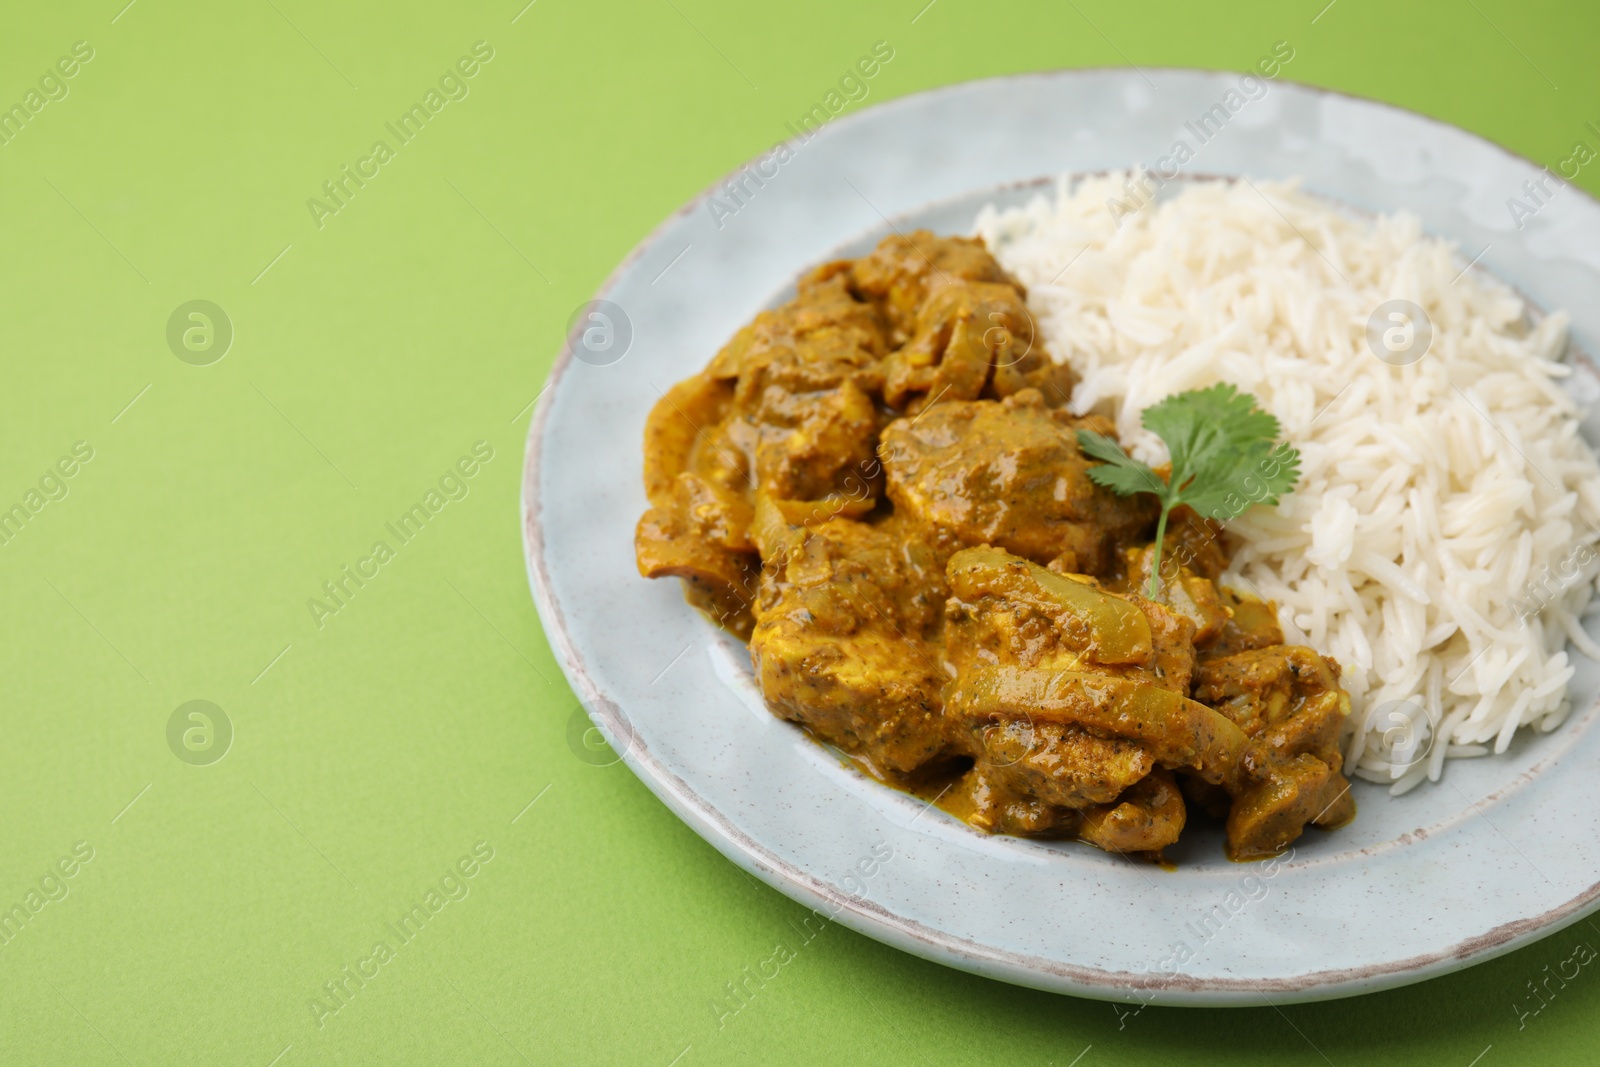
(878,922)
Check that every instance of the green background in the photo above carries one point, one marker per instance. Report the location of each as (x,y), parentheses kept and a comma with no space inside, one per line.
(422,718)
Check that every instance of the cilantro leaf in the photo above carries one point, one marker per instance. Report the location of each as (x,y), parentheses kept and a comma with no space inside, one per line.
(1121,472)
(1225,457)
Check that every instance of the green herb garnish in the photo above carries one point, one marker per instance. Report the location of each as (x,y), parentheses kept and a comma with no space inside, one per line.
(1225,457)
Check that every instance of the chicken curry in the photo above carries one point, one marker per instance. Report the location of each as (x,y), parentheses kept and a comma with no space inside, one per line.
(879,487)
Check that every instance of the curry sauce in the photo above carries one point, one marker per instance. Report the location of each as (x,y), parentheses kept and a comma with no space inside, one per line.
(878,486)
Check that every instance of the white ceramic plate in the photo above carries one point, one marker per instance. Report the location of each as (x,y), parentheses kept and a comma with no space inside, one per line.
(1500,852)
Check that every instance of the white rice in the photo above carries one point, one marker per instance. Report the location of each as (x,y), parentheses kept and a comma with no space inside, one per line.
(1439,541)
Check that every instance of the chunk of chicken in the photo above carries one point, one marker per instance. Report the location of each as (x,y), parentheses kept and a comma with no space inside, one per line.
(1146,818)
(904,271)
(1288,702)
(809,445)
(1059,763)
(841,641)
(1009,474)
(981,799)
(825,314)
(1069,697)
(973,339)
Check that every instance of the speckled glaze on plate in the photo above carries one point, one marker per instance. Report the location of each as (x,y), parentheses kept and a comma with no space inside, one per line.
(1498,853)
